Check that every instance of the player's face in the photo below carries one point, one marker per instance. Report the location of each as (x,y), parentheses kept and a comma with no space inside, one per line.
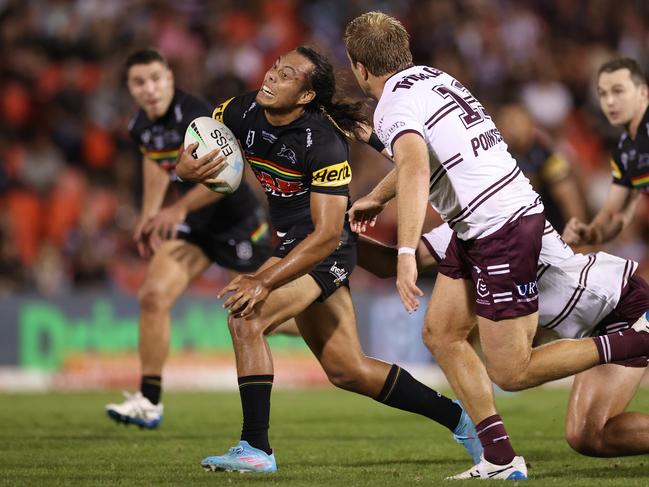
(620,97)
(152,87)
(283,88)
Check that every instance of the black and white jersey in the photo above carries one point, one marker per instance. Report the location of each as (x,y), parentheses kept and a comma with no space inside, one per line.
(290,161)
(161,141)
(630,163)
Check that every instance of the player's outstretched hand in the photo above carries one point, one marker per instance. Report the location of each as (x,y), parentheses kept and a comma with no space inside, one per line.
(364,212)
(576,232)
(246,292)
(362,132)
(199,170)
(163,226)
(407,282)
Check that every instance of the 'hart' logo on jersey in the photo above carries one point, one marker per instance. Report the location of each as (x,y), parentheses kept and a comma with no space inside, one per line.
(332,176)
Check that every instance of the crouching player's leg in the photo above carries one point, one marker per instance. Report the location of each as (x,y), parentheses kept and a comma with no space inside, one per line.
(597,423)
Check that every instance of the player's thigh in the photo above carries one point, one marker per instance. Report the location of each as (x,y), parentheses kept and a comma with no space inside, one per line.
(507,344)
(174,265)
(329,329)
(450,314)
(599,394)
(282,304)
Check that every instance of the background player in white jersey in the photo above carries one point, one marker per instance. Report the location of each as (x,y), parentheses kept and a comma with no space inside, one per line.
(613,299)
(624,99)
(445,145)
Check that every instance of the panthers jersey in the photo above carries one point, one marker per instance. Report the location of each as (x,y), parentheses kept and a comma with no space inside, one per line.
(290,161)
(161,141)
(630,163)
(475,184)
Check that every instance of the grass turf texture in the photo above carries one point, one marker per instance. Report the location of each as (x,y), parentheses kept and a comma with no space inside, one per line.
(324,437)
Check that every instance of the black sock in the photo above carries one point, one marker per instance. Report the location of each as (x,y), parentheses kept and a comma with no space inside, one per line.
(255,403)
(403,391)
(151,387)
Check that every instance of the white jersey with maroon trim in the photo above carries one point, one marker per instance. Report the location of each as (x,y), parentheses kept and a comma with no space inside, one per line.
(475,184)
(576,291)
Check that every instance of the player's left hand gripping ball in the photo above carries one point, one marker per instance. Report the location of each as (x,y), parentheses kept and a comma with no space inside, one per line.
(218,160)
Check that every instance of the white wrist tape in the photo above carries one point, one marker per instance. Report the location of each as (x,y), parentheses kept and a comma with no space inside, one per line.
(406,250)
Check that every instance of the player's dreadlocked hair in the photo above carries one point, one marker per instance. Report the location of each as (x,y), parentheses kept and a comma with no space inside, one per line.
(343,115)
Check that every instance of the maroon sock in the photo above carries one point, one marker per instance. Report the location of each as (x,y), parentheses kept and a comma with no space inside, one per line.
(622,345)
(495,441)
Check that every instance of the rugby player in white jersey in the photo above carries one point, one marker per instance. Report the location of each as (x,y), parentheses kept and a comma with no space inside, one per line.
(447,149)
(612,299)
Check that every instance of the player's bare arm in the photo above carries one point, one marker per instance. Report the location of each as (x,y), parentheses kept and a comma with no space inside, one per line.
(199,170)
(614,216)
(365,210)
(164,225)
(381,259)
(328,216)
(413,175)
(155,184)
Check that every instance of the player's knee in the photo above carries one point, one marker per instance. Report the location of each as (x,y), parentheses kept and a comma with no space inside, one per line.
(154,299)
(242,330)
(508,380)
(588,444)
(348,378)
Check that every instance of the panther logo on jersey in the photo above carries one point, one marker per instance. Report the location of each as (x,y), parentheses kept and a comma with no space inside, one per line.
(287,153)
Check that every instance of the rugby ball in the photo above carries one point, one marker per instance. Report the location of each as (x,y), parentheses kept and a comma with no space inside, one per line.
(212,134)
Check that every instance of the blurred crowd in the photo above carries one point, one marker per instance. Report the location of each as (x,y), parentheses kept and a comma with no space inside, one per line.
(70,176)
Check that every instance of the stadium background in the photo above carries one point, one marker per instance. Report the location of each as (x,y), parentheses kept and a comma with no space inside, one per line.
(70,176)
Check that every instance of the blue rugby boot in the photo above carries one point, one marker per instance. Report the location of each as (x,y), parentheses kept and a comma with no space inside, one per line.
(466,435)
(241,458)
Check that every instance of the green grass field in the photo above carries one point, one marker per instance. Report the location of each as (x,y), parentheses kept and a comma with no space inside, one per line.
(324,437)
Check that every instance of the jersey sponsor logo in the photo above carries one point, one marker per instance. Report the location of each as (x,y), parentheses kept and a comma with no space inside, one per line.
(250,139)
(268,137)
(384,134)
(287,153)
(527,290)
(333,176)
(407,81)
(243,250)
(217,114)
(486,140)
(339,273)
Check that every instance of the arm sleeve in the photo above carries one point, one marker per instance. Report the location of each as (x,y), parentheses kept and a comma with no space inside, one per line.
(618,173)
(395,117)
(328,166)
(232,111)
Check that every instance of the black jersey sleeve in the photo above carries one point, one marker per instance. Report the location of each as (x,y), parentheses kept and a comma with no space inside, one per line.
(194,108)
(233,111)
(619,172)
(327,163)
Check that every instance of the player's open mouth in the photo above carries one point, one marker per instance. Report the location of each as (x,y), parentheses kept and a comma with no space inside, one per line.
(267,91)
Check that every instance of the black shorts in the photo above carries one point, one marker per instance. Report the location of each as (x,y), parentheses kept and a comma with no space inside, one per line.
(242,248)
(335,269)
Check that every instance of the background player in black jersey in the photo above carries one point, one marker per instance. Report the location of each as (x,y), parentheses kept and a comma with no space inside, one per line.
(547,169)
(183,238)
(624,99)
(291,134)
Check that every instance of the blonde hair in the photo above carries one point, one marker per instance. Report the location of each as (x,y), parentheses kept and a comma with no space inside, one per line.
(379,42)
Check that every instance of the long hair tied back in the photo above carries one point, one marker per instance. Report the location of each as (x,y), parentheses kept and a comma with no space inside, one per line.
(343,115)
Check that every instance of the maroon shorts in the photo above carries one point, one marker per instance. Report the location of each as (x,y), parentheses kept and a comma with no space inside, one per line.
(502,267)
(634,301)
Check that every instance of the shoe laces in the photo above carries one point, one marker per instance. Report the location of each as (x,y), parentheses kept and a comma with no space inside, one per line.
(236,450)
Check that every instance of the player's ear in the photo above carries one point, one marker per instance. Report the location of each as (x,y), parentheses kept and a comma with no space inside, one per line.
(306,97)
(363,70)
